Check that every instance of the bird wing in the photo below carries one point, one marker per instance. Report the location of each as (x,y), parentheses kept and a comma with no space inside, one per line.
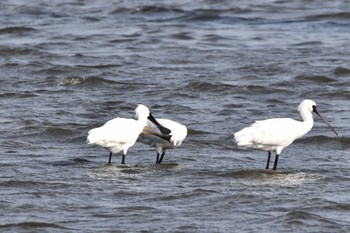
(178,131)
(117,130)
(276,131)
(268,133)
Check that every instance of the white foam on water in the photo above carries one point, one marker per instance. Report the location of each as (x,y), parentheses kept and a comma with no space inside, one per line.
(280,179)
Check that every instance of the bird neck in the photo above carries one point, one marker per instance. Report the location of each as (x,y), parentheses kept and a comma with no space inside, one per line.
(308,120)
(306,115)
(142,120)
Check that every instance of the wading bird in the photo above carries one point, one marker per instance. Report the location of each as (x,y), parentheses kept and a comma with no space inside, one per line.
(148,137)
(277,133)
(119,134)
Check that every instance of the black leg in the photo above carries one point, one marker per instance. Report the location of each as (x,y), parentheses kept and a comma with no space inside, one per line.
(110,157)
(275,164)
(161,157)
(268,160)
(157,161)
(123,158)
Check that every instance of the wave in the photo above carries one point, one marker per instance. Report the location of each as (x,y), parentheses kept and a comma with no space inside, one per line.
(340,142)
(14,30)
(146,9)
(90,81)
(259,177)
(71,162)
(309,44)
(101,66)
(301,217)
(199,86)
(336,207)
(30,184)
(20,95)
(322,139)
(71,81)
(314,78)
(57,132)
(31,225)
(157,13)
(20,51)
(196,193)
(341,71)
(182,36)
(328,16)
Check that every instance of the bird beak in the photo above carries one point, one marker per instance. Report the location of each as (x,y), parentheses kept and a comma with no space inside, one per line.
(165,131)
(324,120)
(147,131)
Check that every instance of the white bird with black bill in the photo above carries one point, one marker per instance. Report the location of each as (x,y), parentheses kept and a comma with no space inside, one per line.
(149,137)
(119,134)
(277,133)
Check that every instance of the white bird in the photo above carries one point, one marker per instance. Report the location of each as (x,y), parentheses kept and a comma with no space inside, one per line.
(277,133)
(148,137)
(119,134)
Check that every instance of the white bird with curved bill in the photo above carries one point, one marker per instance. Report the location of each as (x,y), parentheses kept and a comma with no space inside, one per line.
(119,134)
(277,133)
(148,137)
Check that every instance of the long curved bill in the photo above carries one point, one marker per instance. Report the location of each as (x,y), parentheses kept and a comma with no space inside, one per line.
(165,131)
(324,120)
(148,131)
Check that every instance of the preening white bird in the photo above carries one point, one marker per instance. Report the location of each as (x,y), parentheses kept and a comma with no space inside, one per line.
(119,134)
(277,133)
(148,137)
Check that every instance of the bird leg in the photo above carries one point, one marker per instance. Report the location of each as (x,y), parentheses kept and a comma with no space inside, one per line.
(110,157)
(268,159)
(276,161)
(157,161)
(123,158)
(161,157)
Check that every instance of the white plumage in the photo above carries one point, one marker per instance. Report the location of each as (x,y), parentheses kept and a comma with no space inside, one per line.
(119,134)
(178,134)
(277,133)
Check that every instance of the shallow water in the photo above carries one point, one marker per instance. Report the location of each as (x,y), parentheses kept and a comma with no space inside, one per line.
(69,66)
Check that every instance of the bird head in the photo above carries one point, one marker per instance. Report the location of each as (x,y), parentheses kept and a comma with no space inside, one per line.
(142,112)
(310,106)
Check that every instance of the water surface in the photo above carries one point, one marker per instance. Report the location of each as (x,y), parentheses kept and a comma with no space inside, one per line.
(69,66)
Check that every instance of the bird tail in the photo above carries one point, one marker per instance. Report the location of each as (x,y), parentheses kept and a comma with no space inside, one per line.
(93,137)
(243,138)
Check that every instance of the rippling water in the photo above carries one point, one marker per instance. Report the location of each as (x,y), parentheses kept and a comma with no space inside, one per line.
(215,66)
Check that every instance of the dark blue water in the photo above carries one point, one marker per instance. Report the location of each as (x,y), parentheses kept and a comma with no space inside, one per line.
(214,66)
